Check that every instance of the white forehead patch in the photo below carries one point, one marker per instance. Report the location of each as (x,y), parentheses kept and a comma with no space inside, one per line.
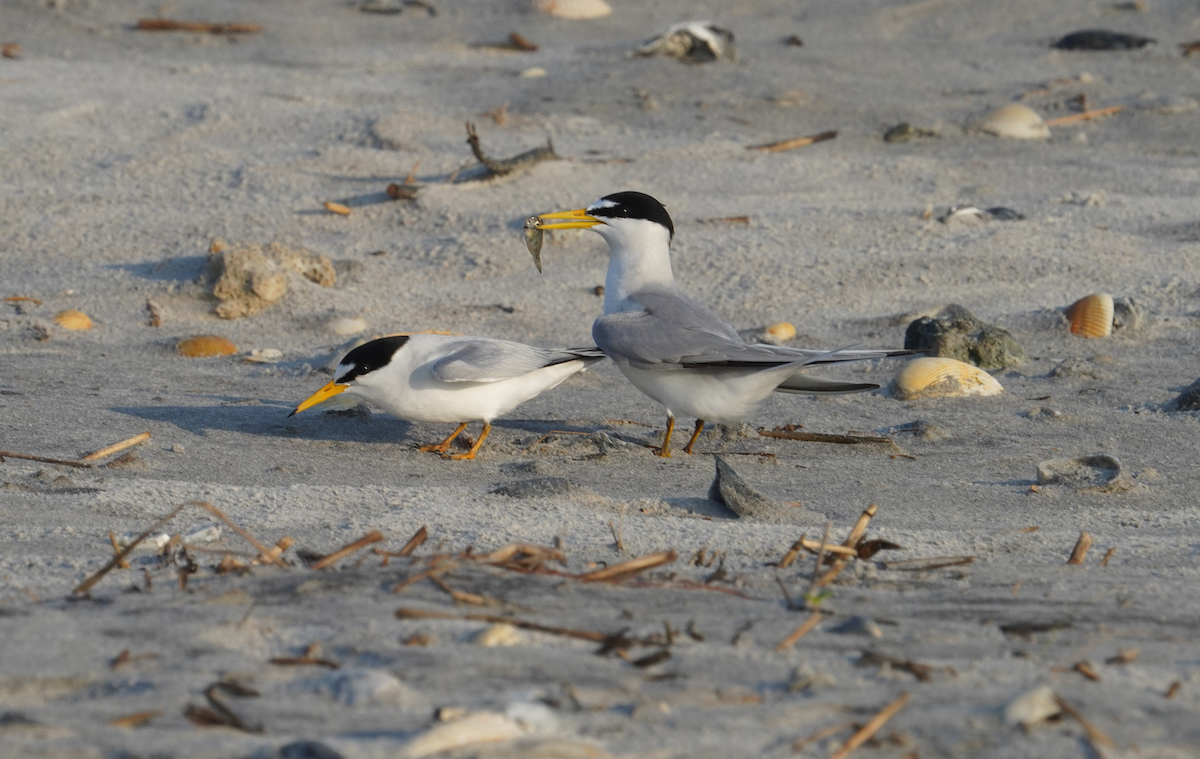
(602,203)
(343,370)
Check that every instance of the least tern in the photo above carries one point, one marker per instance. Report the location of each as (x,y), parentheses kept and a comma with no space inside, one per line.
(442,378)
(671,346)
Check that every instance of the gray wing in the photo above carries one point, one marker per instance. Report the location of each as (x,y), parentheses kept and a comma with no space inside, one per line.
(484,360)
(676,331)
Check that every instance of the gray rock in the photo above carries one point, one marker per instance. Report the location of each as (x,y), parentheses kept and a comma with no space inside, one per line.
(730,489)
(1076,368)
(307,750)
(1188,400)
(954,332)
(540,487)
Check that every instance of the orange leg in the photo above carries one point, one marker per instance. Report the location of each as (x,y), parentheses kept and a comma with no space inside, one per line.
(665,451)
(695,436)
(443,446)
(487,427)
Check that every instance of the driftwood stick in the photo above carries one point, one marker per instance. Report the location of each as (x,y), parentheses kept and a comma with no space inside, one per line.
(1085,116)
(90,582)
(800,632)
(44,460)
(1079,553)
(171,25)
(821,437)
(266,552)
(374,536)
(795,142)
(115,447)
(632,566)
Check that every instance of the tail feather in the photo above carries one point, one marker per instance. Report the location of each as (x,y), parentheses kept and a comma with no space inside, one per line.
(802,383)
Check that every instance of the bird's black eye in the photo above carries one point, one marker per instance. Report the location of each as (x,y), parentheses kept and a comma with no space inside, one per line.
(370,356)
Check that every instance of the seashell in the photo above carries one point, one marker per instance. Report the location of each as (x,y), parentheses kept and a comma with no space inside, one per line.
(483,727)
(205,346)
(72,319)
(575,10)
(500,634)
(347,326)
(1032,707)
(152,542)
(779,333)
(263,356)
(1091,316)
(534,72)
(695,41)
(942,378)
(1015,121)
(1095,473)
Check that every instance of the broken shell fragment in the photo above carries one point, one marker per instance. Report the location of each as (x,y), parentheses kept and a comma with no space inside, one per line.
(779,333)
(347,326)
(1095,473)
(72,319)
(263,356)
(500,634)
(1091,316)
(693,41)
(1016,122)
(482,727)
(533,240)
(1032,707)
(575,10)
(942,378)
(205,346)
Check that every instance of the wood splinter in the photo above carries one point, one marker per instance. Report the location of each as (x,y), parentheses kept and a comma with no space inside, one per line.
(796,142)
(117,447)
(633,566)
(1079,553)
(804,629)
(869,729)
(374,536)
(203,27)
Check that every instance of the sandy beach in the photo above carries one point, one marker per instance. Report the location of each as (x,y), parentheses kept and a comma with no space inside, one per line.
(125,153)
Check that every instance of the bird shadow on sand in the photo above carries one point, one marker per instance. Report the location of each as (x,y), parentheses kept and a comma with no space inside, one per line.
(269,418)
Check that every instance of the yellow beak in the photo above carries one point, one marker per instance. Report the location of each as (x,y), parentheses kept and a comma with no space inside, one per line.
(324,394)
(578,220)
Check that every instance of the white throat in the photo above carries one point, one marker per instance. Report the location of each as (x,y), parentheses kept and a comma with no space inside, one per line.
(639,256)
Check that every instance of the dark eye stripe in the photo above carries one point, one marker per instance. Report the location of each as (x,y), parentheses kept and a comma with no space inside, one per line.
(371,356)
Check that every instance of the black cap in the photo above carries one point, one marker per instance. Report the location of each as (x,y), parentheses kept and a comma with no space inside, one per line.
(632,205)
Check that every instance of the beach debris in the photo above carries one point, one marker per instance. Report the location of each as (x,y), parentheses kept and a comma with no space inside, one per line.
(925,565)
(154,314)
(904,131)
(628,568)
(1076,368)
(692,42)
(501,167)
(394,7)
(1091,316)
(307,750)
(339,208)
(360,687)
(1188,400)
(347,325)
(805,628)
(533,72)
(311,658)
(790,432)
(971,213)
(250,277)
(923,672)
(1085,115)
(1080,551)
(263,356)
(1014,121)
(519,42)
(1102,39)
(744,501)
(920,429)
(472,730)
(793,41)
(534,235)
(117,447)
(1032,707)
(1173,689)
(1094,473)
(205,346)
(220,714)
(942,378)
(574,10)
(10,50)
(500,634)
(137,719)
(540,487)
(72,319)
(374,536)
(795,142)
(1087,669)
(858,625)
(863,734)
(1189,48)
(1095,736)
(1128,314)
(955,332)
(203,27)
(774,334)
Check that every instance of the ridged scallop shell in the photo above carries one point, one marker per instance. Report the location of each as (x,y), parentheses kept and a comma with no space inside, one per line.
(942,377)
(347,326)
(205,346)
(1091,316)
(576,10)
(72,319)
(1015,121)
(780,333)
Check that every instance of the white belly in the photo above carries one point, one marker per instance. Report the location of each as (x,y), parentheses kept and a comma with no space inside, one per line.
(716,395)
(427,399)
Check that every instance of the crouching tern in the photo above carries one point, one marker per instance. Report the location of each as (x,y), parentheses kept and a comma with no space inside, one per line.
(671,346)
(441,378)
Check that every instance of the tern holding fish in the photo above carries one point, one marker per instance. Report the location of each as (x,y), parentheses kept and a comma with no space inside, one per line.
(671,346)
(447,378)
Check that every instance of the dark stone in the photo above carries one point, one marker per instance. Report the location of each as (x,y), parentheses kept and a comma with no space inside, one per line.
(954,332)
(540,487)
(1102,39)
(307,750)
(1188,400)
(1000,213)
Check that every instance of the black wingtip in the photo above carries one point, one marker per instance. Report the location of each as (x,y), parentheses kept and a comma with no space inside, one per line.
(292,414)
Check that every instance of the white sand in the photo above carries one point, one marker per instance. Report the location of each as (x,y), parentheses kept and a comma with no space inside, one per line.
(122,153)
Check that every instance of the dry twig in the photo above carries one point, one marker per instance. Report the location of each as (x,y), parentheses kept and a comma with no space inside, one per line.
(266,552)
(626,568)
(44,460)
(374,536)
(1085,116)
(796,142)
(1095,735)
(869,729)
(800,632)
(171,25)
(115,447)
(820,437)
(136,719)
(96,577)
(1079,553)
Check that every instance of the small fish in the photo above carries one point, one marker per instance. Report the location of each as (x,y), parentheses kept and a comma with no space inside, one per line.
(533,240)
